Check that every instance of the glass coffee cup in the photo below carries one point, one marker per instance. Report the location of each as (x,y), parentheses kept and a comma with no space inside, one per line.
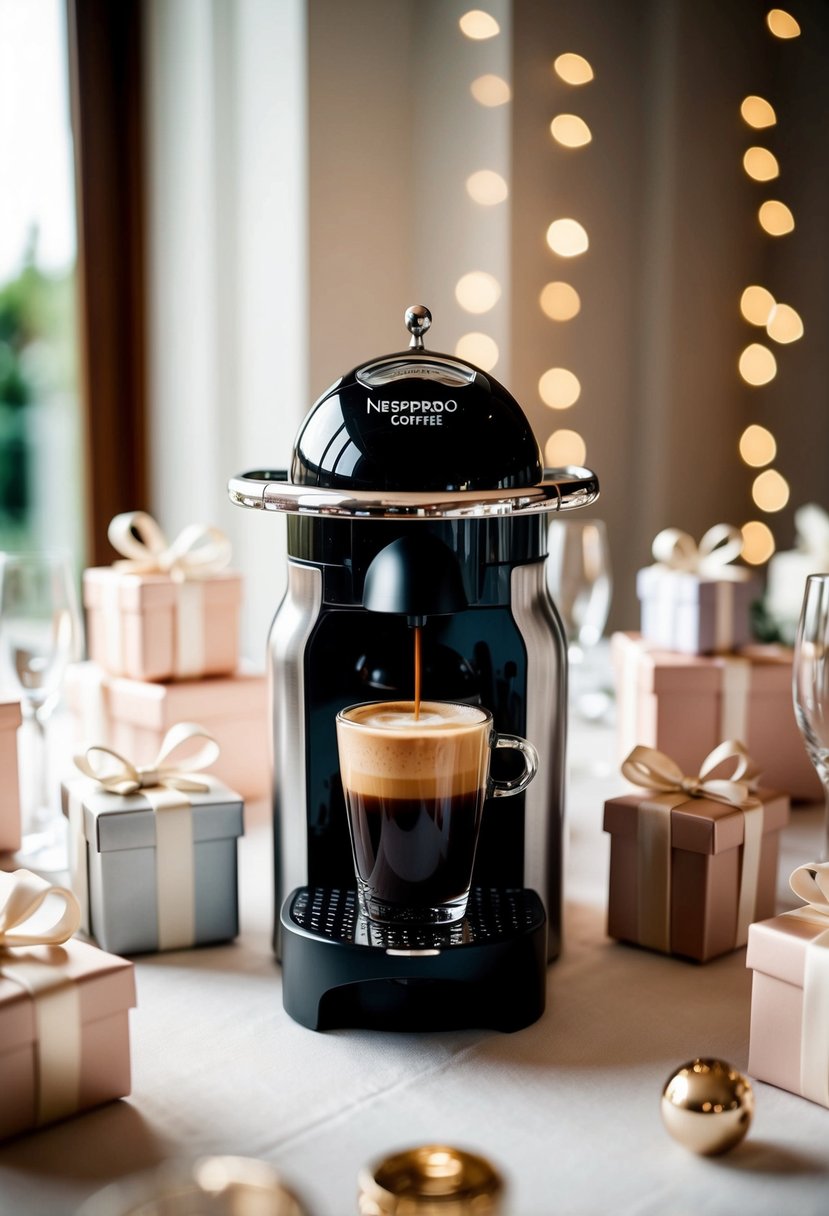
(415,787)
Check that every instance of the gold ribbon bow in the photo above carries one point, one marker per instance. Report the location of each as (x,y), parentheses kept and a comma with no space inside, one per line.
(653,770)
(810,883)
(21,895)
(197,552)
(128,778)
(710,558)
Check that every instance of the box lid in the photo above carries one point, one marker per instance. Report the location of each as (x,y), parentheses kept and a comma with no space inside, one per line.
(160,706)
(140,592)
(106,984)
(10,716)
(699,825)
(777,946)
(127,821)
(665,671)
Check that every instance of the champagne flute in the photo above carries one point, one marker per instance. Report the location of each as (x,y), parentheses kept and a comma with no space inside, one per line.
(39,635)
(578,575)
(810,683)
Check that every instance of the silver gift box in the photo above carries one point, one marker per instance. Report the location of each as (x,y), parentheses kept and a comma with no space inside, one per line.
(120,839)
(692,614)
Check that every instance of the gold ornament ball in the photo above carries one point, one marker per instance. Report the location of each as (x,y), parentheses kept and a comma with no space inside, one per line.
(707,1106)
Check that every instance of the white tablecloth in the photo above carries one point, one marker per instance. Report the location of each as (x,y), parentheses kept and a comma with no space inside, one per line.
(568,1108)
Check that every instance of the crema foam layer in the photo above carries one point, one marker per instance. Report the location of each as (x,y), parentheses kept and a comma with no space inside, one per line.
(388,753)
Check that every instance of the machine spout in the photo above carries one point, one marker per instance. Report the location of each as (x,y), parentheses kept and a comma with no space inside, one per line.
(415,576)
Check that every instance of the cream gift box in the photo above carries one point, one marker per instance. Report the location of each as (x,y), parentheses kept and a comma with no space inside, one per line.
(789,957)
(155,867)
(693,600)
(684,704)
(687,872)
(132,716)
(9,788)
(169,611)
(64,1026)
(788,571)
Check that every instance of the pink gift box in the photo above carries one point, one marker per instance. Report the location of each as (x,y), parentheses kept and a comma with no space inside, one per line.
(684,705)
(133,716)
(706,856)
(106,991)
(9,788)
(777,955)
(152,627)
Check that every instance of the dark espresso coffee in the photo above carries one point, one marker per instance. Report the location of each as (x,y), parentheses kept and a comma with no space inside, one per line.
(414,790)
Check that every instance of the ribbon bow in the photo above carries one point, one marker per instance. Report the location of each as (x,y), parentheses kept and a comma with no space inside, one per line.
(812,527)
(128,778)
(811,883)
(197,552)
(21,895)
(720,545)
(653,770)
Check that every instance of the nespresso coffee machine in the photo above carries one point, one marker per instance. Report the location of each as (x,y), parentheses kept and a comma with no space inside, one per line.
(416,496)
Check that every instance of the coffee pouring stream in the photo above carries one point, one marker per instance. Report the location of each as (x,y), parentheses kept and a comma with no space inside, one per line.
(416,507)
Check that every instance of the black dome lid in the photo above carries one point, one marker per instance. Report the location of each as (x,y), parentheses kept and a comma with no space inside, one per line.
(416,420)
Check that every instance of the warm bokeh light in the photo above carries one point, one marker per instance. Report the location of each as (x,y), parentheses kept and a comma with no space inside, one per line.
(775,218)
(757,112)
(490,90)
(784,324)
(567,238)
(756,304)
(559,388)
(758,542)
(479,349)
(479,25)
(573,69)
(559,301)
(782,24)
(757,446)
(770,491)
(564,447)
(486,187)
(570,131)
(477,291)
(757,364)
(761,164)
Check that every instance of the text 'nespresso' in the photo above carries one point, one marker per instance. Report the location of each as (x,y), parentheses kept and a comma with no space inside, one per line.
(412,413)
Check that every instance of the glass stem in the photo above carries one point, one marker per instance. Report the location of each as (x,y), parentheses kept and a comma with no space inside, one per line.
(39,810)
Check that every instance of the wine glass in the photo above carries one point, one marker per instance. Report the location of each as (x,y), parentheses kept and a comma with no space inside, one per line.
(810,683)
(39,635)
(578,575)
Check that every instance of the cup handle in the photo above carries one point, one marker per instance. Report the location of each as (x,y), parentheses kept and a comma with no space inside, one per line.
(505,789)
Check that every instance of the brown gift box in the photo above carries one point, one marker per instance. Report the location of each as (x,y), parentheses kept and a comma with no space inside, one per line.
(106,991)
(678,704)
(706,859)
(142,640)
(133,716)
(9,788)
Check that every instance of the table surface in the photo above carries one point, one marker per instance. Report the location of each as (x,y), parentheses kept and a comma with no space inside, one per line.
(568,1108)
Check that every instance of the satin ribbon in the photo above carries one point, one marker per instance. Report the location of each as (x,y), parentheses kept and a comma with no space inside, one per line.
(56,999)
(811,883)
(165,786)
(710,558)
(670,788)
(197,552)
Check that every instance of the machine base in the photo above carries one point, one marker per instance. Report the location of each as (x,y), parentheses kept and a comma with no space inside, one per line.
(488,970)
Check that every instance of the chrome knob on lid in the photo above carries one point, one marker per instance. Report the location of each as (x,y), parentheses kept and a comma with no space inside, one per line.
(418,320)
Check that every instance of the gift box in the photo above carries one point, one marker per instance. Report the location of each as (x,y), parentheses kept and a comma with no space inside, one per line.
(168,611)
(693,600)
(64,1026)
(684,704)
(689,872)
(787,571)
(789,957)
(132,716)
(154,867)
(9,788)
